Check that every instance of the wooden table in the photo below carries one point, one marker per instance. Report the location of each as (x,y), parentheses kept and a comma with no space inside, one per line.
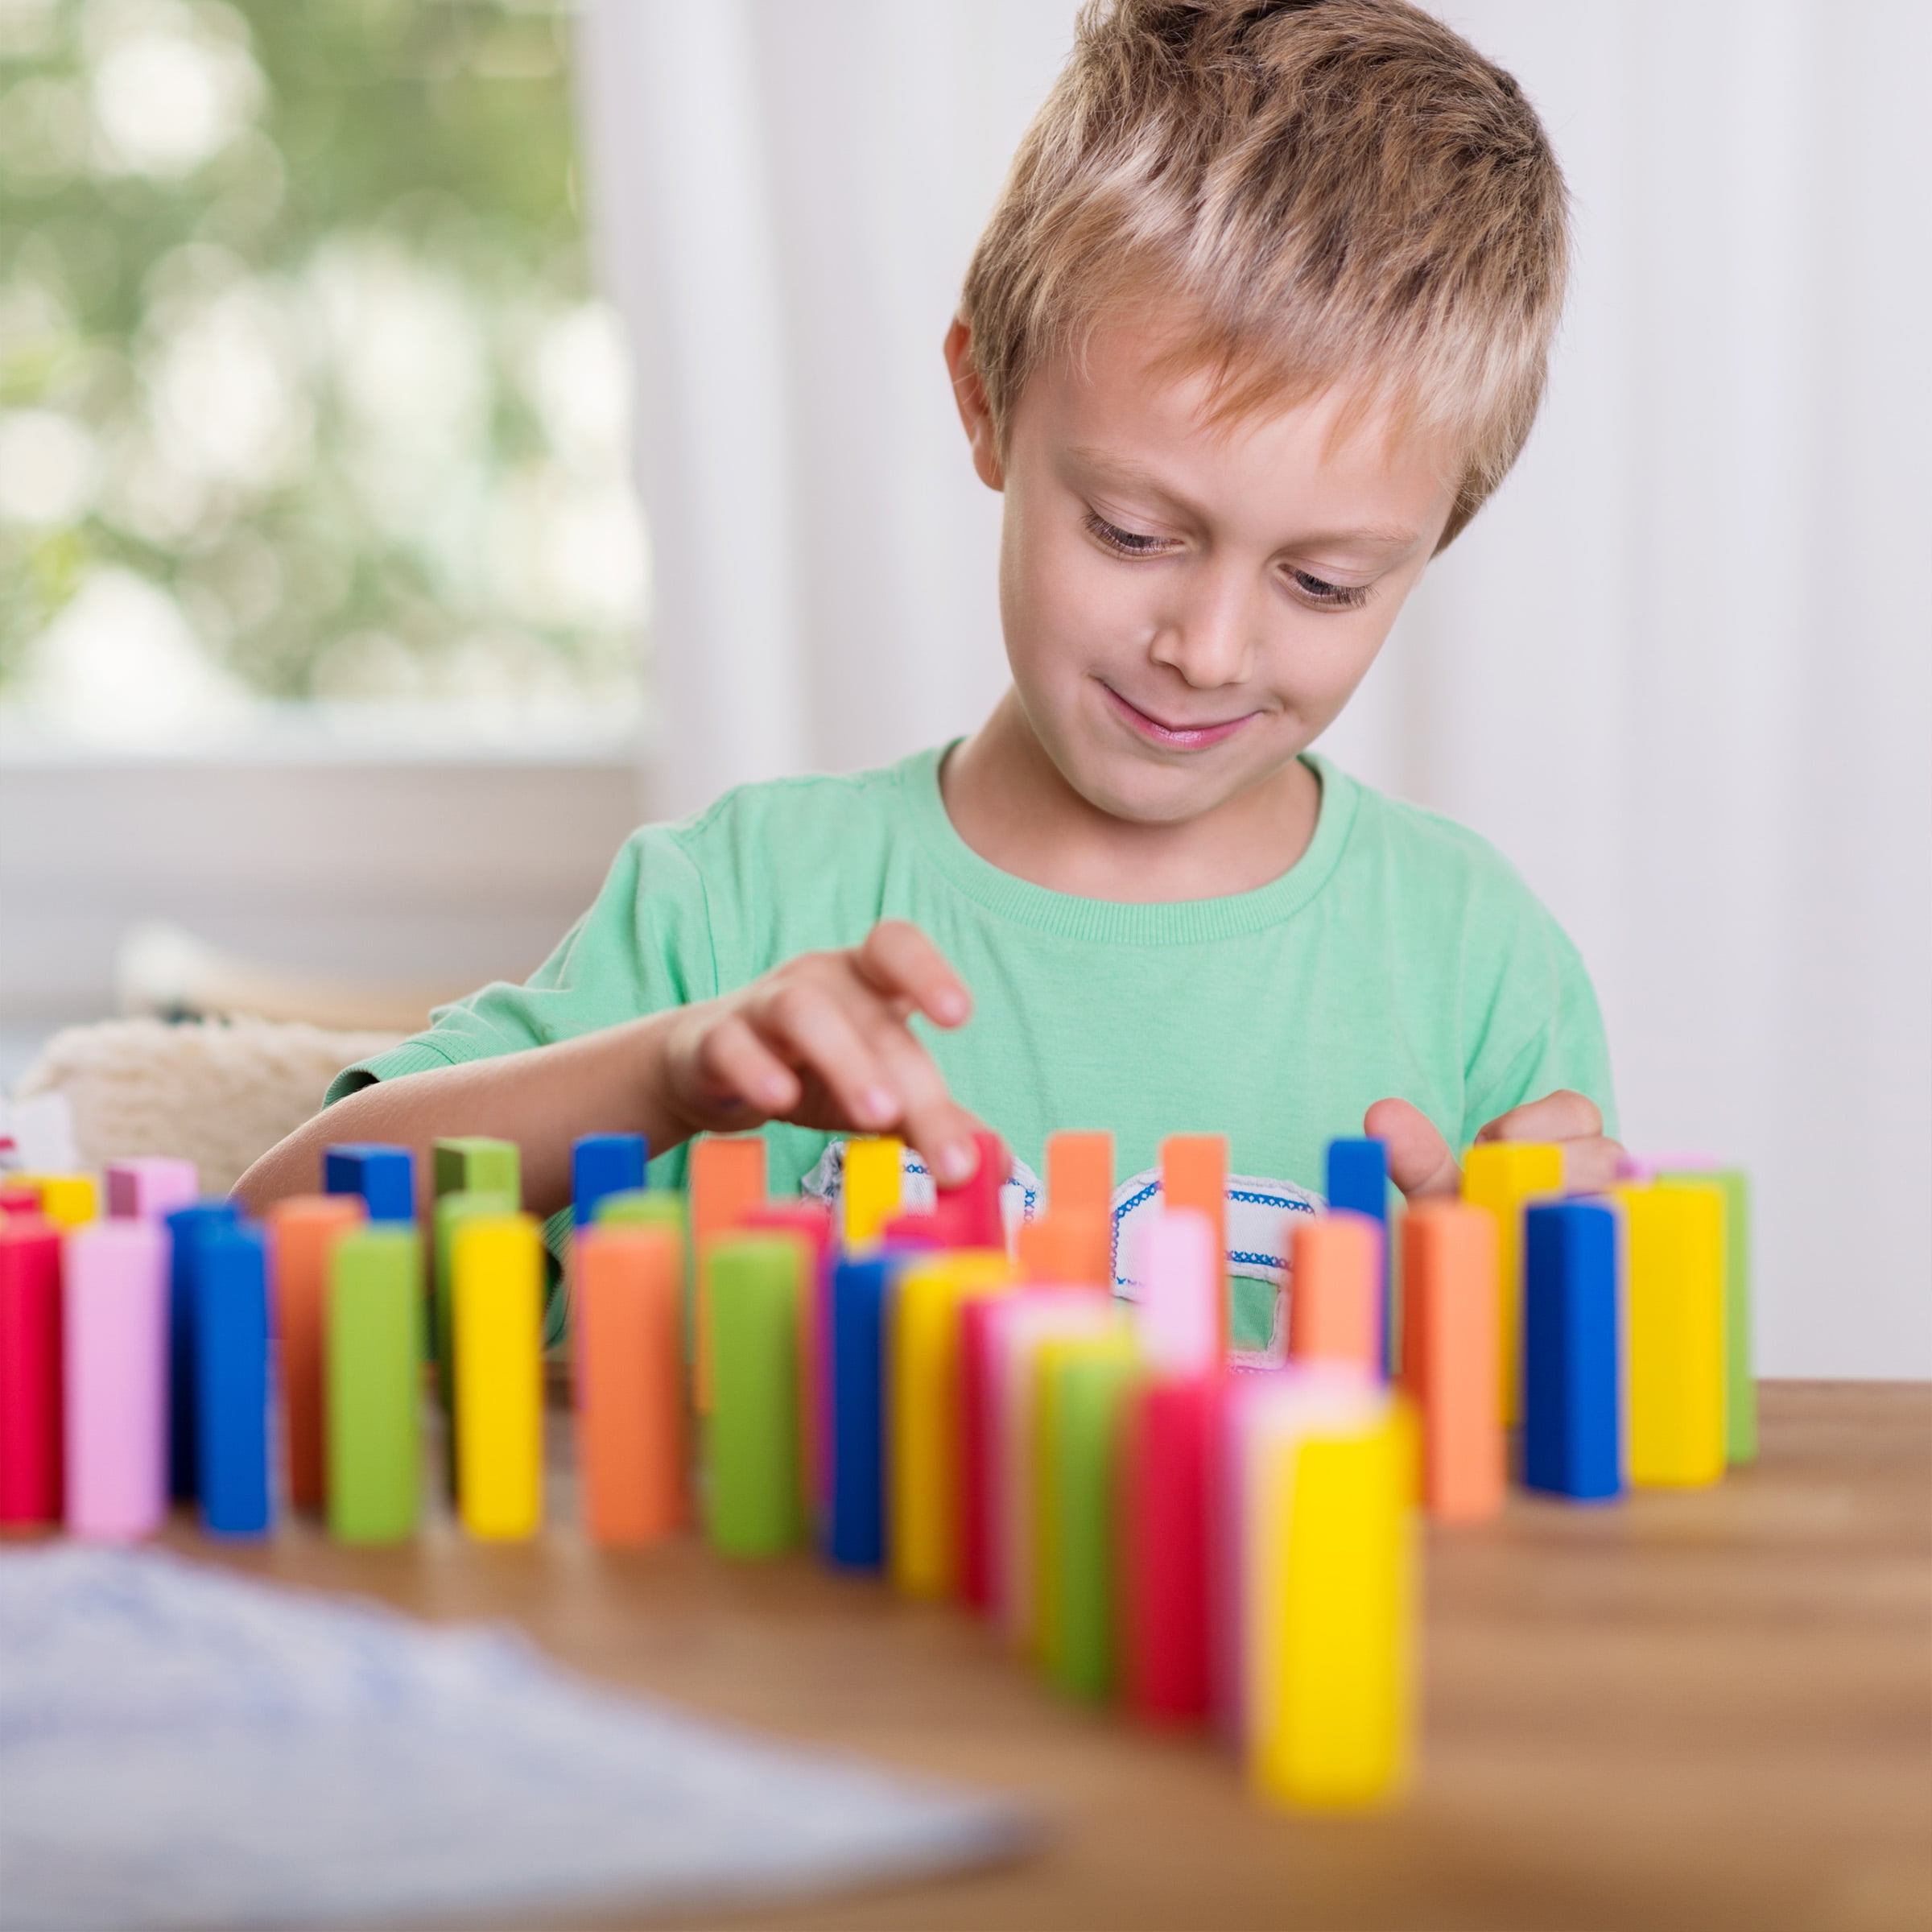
(1702,1710)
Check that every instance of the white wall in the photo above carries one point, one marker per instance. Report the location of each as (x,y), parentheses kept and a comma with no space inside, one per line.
(1679,670)
(445,874)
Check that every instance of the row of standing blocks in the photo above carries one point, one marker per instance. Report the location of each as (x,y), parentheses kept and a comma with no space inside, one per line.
(1619,1338)
(892,1387)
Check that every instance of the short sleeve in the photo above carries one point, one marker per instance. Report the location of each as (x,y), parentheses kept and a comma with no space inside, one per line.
(1542,1029)
(644,946)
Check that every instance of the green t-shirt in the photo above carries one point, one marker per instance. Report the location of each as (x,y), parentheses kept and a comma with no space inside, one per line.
(1401,956)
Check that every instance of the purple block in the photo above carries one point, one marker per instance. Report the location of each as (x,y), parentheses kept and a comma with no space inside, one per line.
(117,1379)
(149,1188)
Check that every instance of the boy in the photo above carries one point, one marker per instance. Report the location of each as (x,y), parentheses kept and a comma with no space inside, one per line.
(1261,319)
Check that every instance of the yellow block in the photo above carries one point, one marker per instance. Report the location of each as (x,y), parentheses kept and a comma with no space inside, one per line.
(1331,1716)
(68,1200)
(1673,1262)
(922,1526)
(497,1281)
(1050,1362)
(1502,1176)
(871,1186)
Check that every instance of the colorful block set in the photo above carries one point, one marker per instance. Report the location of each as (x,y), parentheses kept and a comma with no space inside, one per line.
(965,1409)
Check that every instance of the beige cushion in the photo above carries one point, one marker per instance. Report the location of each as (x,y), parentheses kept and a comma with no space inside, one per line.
(218,1092)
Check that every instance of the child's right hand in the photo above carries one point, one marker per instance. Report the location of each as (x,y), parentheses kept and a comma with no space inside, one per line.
(823,1041)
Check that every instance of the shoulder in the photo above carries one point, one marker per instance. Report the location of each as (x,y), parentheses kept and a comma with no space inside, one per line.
(787,815)
(1394,835)
(1436,878)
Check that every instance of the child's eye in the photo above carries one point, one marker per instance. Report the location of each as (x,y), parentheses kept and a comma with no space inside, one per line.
(1128,542)
(1334,596)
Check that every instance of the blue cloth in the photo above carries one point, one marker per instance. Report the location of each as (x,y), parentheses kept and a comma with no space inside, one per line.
(179,1746)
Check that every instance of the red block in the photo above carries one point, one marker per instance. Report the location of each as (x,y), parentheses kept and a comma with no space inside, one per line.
(976,1511)
(1164,1546)
(971,1211)
(30,1419)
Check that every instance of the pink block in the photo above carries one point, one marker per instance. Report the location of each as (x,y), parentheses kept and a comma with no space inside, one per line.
(1180,1308)
(117,1379)
(150,1187)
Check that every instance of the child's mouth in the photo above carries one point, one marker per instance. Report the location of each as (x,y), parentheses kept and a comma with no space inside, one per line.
(1189,737)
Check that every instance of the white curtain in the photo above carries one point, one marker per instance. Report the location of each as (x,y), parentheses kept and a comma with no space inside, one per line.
(1679,670)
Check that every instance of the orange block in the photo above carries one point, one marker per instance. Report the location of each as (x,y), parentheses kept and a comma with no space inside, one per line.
(1450,1355)
(1334,1293)
(630,1395)
(1059,1251)
(302,1229)
(727,1179)
(1080,1193)
(1194,1173)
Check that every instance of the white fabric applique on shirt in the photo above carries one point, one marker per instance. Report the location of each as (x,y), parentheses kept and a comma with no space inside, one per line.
(1260,1212)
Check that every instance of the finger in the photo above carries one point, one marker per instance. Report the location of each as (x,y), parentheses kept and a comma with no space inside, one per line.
(898,961)
(934,1124)
(1561,1116)
(1591,1165)
(734,1065)
(940,1131)
(1420,1161)
(805,1025)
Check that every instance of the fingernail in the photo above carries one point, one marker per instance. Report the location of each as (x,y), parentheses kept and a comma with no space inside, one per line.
(949,1007)
(878,1105)
(956,1163)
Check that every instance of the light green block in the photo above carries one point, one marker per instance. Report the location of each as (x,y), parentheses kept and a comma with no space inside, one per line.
(1740,1385)
(654,1206)
(471,1164)
(1081,1639)
(373,1384)
(752,1500)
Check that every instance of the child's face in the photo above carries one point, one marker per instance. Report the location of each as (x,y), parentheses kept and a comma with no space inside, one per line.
(1187,606)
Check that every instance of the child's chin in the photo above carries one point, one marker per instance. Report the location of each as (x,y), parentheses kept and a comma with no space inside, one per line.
(1144,793)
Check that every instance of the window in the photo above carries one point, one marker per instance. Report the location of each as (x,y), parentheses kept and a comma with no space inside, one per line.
(310,424)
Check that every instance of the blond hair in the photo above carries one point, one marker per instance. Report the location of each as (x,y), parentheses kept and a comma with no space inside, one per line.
(1327,193)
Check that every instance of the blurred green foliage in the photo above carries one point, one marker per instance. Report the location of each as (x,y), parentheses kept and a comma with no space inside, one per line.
(282,285)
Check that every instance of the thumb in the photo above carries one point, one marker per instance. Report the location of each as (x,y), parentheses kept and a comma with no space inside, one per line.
(1419,1160)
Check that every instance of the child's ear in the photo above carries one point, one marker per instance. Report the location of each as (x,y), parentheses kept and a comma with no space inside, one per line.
(975,415)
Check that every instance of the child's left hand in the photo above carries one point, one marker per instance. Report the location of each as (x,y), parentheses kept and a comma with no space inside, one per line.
(1421,1164)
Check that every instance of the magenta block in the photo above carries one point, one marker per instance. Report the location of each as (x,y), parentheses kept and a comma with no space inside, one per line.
(149,1188)
(30,1371)
(117,1379)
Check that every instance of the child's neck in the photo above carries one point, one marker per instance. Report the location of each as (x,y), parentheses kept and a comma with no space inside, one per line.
(1008,800)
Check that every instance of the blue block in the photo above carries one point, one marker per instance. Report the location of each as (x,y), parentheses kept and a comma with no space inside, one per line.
(1573,1371)
(1358,1180)
(188,1229)
(385,1177)
(861,1293)
(231,1381)
(601,1164)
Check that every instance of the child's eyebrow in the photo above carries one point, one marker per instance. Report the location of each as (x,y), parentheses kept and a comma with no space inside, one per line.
(1124,469)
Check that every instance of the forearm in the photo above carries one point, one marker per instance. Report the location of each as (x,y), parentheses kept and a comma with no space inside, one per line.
(608,1082)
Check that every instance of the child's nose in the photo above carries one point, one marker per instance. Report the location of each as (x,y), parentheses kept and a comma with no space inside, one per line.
(1211,633)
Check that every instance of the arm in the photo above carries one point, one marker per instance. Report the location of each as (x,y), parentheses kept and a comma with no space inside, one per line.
(823,1040)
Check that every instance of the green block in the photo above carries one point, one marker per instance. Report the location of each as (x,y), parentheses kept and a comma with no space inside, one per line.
(752,1502)
(1740,1386)
(471,1164)
(1081,1639)
(654,1206)
(373,1384)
